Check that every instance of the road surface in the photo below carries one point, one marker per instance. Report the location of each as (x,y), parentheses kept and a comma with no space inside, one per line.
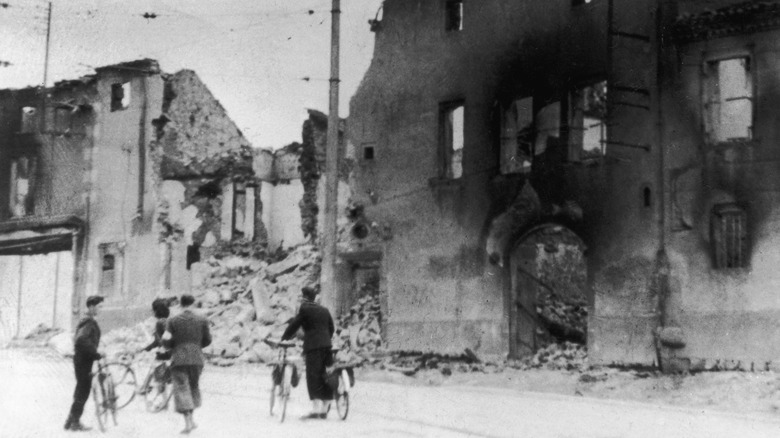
(36,388)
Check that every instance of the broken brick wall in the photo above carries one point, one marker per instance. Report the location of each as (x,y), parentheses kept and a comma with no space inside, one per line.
(196,135)
(312,170)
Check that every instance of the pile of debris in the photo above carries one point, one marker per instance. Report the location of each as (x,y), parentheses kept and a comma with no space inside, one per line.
(245,299)
(358,333)
(565,319)
(566,356)
(248,300)
(410,363)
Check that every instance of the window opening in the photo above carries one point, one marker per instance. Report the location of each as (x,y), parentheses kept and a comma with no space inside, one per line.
(454,12)
(120,96)
(29,120)
(110,281)
(368,152)
(728,100)
(587,121)
(548,126)
(728,232)
(646,196)
(239,210)
(452,119)
(193,254)
(62,120)
(517,136)
(21,201)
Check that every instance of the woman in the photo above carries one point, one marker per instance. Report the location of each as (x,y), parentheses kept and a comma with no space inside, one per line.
(161,374)
(161,312)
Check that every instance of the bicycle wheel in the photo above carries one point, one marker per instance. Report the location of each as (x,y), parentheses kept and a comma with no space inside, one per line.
(274,390)
(157,395)
(284,393)
(125,384)
(111,396)
(342,396)
(100,399)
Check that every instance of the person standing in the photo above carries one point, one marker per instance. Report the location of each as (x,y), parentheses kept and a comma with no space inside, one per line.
(318,329)
(85,352)
(186,334)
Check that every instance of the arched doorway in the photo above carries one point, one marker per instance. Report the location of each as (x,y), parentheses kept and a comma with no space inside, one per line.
(549,299)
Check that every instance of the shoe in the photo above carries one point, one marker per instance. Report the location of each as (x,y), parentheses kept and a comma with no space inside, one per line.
(78,427)
(68,423)
(324,416)
(311,416)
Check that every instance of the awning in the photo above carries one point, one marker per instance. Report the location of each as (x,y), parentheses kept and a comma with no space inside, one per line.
(38,234)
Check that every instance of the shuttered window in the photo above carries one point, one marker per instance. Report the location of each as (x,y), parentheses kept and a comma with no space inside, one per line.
(728,231)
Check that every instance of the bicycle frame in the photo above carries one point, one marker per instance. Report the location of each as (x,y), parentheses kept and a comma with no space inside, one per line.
(156,397)
(104,395)
(281,377)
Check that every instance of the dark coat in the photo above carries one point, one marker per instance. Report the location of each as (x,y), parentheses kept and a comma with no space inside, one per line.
(317,326)
(189,334)
(159,330)
(86,340)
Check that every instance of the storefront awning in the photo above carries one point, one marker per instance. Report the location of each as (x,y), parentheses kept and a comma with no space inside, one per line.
(38,234)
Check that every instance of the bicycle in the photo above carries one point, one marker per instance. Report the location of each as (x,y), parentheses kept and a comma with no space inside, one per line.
(157,386)
(283,377)
(113,388)
(341,378)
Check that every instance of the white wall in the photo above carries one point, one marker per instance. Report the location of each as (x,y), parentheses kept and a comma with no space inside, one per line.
(282,213)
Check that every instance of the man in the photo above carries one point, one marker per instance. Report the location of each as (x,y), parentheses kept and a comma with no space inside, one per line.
(85,352)
(186,334)
(318,328)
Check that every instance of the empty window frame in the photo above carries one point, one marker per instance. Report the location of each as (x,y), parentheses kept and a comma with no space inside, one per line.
(547,124)
(62,117)
(588,121)
(526,131)
(29,120)
(453,10)
(451,119)
(21,201)
(728,100)
(728,236)
(368,153)
(239,210)
(111,264)
(517,136)
(120,96)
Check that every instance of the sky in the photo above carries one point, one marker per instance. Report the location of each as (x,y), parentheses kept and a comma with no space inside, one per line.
(251,54)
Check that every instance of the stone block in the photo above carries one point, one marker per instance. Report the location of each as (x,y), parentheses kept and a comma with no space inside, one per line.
(672,337)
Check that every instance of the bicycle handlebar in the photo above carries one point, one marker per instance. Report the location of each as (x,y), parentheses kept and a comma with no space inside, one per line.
(279,344)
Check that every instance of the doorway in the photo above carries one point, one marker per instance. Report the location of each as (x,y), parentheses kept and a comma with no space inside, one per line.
(549,295)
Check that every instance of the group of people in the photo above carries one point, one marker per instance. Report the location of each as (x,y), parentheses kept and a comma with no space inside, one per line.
(182,338)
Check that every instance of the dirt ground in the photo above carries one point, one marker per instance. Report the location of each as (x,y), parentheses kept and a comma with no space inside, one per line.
(729,391)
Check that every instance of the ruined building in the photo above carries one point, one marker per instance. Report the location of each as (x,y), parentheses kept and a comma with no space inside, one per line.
(640,131)
(292,185)
(115,184)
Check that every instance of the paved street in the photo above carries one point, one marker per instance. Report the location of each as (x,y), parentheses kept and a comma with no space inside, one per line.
(36,386)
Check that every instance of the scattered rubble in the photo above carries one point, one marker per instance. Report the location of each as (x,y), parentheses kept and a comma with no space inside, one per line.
(358,333)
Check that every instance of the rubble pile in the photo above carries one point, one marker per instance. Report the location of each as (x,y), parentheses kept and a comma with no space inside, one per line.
(555,356)
(358,332)
(247,300)
(410,363)
(128,339)
(565,318)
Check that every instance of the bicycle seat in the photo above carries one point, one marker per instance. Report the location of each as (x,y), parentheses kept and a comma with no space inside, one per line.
(280,344)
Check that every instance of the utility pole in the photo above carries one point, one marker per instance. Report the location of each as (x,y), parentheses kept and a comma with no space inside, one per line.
(42,116)
(328,290)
